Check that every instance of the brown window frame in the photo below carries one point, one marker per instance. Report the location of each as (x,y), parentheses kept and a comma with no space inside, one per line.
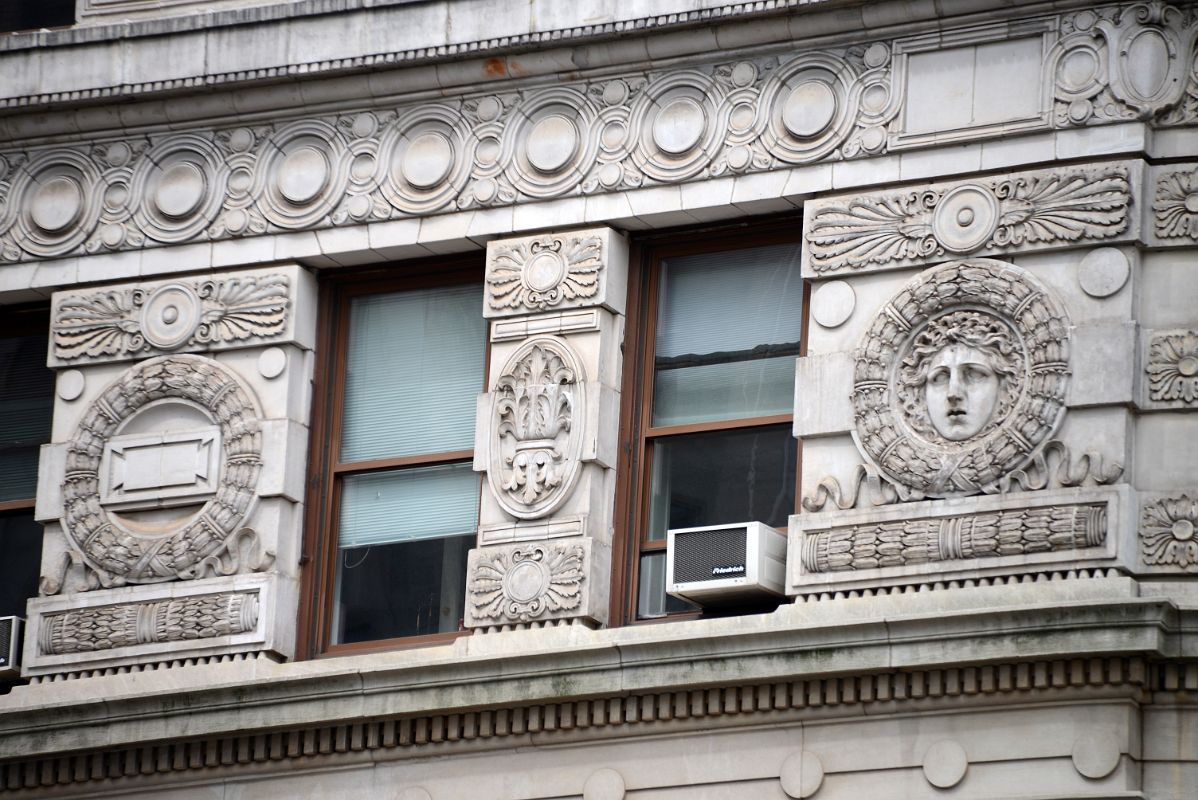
(326,473)
(637,433)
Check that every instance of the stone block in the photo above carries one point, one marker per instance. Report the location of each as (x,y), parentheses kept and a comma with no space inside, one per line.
(1168,291)
(1103,360)
(551,272)
(1160,464)
(823,386)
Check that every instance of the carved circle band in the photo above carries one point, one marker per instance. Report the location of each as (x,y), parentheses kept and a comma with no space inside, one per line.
(1029,327)
(129,557)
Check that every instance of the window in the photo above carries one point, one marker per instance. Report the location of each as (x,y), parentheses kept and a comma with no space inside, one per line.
(718,333)
(23,15)
(397,495)
(26,409)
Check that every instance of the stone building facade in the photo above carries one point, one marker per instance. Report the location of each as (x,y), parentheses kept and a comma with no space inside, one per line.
(388,346)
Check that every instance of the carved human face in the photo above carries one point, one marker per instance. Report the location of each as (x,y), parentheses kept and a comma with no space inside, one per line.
(962,391)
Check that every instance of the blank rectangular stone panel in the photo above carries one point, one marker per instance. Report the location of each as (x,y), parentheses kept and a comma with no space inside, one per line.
(556,271)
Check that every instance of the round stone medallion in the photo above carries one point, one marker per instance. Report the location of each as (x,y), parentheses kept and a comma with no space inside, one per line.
(488,109)
(944,764)
(1103,271)
(833,303)
(525,581)
(809,109)
(679,126)
(1078,68)
(427,160)
(604,784)
(802,775)
(71,384)
(271,362)
(240,181)
(551,143)
(170,316)
(180,190)
(56,204)
(487,151)
(303,174)
(544,271)
(1096,754)
(965,218)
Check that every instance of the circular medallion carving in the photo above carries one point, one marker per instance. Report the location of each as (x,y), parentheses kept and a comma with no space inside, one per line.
(965,218)
(945,764)
(961,378)
(526,581)
(809,109)
(170,316)
(833,303)
(180,190)
(1096,754)
(427,160)
(71,384)
(544,271)
(56,204)
(304,175)
(1103,271)
(678,126)
(552,142)
(802,775)
(162,551)
(176,187)
(424,159)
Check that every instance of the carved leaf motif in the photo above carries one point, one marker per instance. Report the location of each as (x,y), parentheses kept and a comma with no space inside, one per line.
(1173,368)
(874,229)
(1176,197)
(1167,533)
(562,574)
(239,308)
(581,262)
(1064,207)
(104,323)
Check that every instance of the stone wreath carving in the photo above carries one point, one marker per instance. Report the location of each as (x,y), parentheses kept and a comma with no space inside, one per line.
(546,272)
(979,536)
(1173,367)
(528,582)
(132,322)
(961,379)
(537,408)
(1176,204)
(114,551)
(1046,206)
(1169,532)
(179,620)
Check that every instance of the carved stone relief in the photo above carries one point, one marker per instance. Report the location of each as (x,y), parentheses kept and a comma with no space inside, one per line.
(114,511)
(977,536)
(1173,367)
(176,620)
(1168,529)
(132,322)
(961,378)
(543,273)
(997,214)
(1176,204)
(527,582)
(537,412)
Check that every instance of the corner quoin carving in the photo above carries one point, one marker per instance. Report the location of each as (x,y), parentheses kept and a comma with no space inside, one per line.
(1169,533)
(960,380)
(996,214)
(537,409)
(1173,367)
(133,322)
(547,272)
(180,620)
(978,536)
(527,582)
(119,552)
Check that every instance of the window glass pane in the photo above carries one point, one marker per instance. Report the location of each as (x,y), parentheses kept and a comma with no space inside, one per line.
(651,598)
(21,539)
(26,407)
(723,477)
(408,505)
(728,329)
(414,366)
(408,588)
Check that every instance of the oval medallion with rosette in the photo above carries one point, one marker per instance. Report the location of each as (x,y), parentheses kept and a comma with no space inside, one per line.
(537,413)
(162,470)
(961,378)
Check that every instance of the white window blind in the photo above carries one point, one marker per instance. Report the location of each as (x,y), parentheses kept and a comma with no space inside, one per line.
(408,505)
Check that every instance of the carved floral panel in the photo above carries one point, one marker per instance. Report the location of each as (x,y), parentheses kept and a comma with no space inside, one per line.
(1169,533)
(1173,367)
(526,583)
(537,413)
(544,273)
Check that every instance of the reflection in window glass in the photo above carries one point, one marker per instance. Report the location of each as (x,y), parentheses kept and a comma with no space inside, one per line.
(26,408)
(728,329)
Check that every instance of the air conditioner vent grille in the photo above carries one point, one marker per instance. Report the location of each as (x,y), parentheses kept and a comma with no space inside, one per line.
(709,554)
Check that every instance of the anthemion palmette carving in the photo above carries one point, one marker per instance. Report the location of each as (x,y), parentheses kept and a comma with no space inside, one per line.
(961,378)
(526,583)
(1169,532)
(542,273)
(999,213)
(977,536)
(1173,367)
(537,411)
(133,322)
(102,489)
(177,620)
(1176,204)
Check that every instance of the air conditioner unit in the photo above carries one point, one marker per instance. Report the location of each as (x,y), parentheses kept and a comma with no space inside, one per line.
(10,646)
(725,564)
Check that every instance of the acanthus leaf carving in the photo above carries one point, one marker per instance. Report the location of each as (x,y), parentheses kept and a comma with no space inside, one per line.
(528,582)
(1030,208)
(1173,367)
(1176,204)
(545,272)
(1168,528)
(537,405)
(126,323)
